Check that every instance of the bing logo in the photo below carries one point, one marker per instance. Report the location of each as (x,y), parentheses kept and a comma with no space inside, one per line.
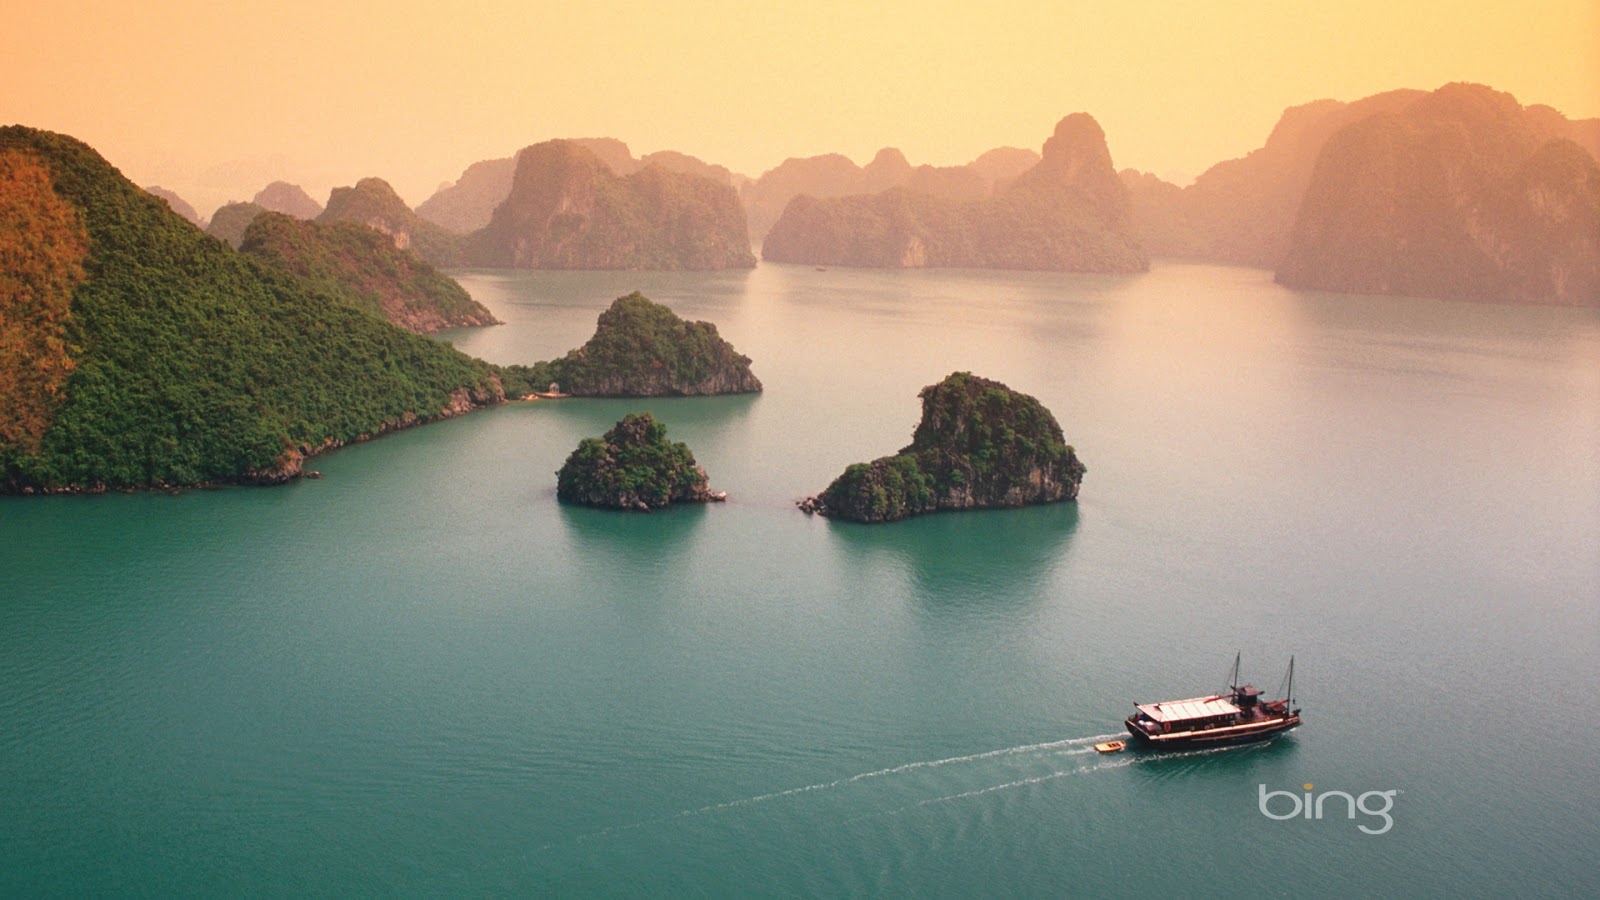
(1375,804)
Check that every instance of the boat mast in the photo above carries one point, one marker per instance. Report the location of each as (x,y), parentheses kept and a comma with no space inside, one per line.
(1234,685)
(1290,698)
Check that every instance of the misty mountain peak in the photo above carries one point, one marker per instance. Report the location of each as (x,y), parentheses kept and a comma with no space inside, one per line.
(1077,147)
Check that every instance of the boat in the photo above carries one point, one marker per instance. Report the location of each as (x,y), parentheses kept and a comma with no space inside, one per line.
(1111,747)
(1236,716)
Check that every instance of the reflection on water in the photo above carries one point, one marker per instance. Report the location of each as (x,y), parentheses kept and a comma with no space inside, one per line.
(632,541)
(683,415)
(953,558)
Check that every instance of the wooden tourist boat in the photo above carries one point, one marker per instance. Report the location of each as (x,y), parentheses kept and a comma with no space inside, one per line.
(1236,716)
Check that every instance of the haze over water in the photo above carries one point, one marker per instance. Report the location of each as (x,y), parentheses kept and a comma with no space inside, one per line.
(422,674)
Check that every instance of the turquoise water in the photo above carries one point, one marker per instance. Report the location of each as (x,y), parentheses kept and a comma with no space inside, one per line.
(421,674)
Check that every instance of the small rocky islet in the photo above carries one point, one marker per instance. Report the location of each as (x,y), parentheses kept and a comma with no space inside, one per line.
(641,348)
(633,467)
(979,445)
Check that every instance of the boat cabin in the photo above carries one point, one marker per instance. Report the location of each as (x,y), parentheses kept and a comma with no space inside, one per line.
(1190,715)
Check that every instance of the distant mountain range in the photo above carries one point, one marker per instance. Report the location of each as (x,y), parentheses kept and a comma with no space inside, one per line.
(1459,192)
(1068,212)
(833,175)
(569,210)
(467,204)
(1469,175)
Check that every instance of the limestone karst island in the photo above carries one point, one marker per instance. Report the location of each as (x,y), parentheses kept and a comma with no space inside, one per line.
(979,445)
(634,467)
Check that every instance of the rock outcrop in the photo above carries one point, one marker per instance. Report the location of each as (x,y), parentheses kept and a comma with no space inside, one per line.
(643,349)
(469,203)
(633,467)
(289,199)
(568,210)
(178,204)
(362,268)
(231,219)
(373,203)
(979,445)
(1461,194)
(1069,212)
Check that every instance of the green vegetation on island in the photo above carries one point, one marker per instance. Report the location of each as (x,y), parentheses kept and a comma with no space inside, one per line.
(137,352)
(230,220)
(633,467)
(373,203)
(641,349)
(362,268)
(979,444)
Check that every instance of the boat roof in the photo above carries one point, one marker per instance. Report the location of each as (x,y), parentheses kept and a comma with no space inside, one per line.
(1185,710)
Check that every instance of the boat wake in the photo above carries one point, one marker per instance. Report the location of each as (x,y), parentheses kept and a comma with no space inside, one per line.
(1118,763)
(1067,747)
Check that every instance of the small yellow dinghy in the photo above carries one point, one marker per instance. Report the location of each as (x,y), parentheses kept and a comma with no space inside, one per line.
(1111,746)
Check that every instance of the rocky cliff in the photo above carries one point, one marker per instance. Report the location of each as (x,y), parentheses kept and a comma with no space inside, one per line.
(362,268)
(1243,210)
(1069,212)
(289,199)
(643,349)
(568,210)
(979,444)
(1462,193)
(633,467)
(469,203)
(373,203)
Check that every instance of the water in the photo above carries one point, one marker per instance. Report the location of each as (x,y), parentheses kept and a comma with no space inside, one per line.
(422,674)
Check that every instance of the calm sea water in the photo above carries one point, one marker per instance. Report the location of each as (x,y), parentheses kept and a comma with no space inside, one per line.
(421,674)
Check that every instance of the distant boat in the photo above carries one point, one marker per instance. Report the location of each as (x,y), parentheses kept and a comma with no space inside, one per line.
(1238,716)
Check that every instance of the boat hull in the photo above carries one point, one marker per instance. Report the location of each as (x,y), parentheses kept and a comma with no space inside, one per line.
(1214,737)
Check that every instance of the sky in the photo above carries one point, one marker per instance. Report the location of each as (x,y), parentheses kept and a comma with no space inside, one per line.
(214,100)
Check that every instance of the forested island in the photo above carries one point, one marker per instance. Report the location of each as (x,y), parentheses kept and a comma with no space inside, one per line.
(140,353)
(362,268)
(641,348)
(634,467)
(979,445)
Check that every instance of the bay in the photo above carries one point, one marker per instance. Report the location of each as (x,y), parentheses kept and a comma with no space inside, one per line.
(422,674)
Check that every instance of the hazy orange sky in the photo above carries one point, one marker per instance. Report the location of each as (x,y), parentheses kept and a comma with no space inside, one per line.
(216,99)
